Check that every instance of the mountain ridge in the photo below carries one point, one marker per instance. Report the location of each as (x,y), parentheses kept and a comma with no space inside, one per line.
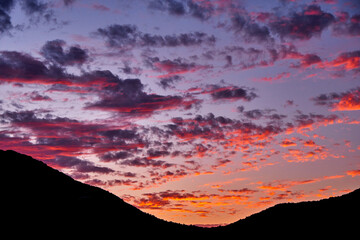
(38,195)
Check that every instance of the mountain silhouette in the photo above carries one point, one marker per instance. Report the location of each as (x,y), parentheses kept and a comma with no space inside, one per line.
(326,218)
(38,200)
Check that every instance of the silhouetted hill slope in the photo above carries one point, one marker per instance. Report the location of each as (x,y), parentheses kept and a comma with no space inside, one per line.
(37,196)
(332,217)
(38,200)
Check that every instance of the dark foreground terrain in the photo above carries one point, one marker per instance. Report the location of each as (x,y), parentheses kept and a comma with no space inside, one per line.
(40,201)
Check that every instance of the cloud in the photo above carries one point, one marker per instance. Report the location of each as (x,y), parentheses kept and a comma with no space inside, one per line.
(308,122)
(7,5)
(146,162)
(38,10)
(229,133)
(129,98)
(181,8)
(33,7)
(220,163)
(168,82)
(172,68)
(115,156)
(251,57)
(172,7)
(278,77)
(353,173)
(35,96)
(308,60)
(54,52)
(69,137)
(5,22)
(310,22)
(242,191)
(347,26)
(232,93)
(81,166)
(345,101)
(345,60)
(128,36)
(115,95)
(68,2)
(23,68)
(249,30)
(287,143)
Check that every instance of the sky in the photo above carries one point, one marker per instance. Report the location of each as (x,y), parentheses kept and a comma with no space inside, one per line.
(196,111)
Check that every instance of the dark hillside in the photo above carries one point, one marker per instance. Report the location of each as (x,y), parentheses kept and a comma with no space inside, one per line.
(37,196)
(38,200)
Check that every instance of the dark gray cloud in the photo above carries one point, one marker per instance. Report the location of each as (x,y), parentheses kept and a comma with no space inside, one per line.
(5,22)
(33,7)
(5,19)
(6,5)
(16,66)
(171,6)
(310,22)
(307,120)
(128,36)
(346,25)
(168,82)
(173,67)
(147,162)
(249,30)
(115,156)
(81,166)
(68,2)
(309,59)
(54,51)
(218,92)
(184,7)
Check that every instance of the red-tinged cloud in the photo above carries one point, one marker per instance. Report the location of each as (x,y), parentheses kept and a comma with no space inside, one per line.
(138,104)
(68,137)
(221,163)
(115,94)
(170,68)
(345,101)
(308,60)
(278,77)
(346,60)
(36,96)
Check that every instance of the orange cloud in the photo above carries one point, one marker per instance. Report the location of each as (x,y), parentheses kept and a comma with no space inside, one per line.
(353,173)
(287,143)
(349,102)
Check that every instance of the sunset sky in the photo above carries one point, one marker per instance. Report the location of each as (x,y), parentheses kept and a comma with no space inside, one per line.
(196,111)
